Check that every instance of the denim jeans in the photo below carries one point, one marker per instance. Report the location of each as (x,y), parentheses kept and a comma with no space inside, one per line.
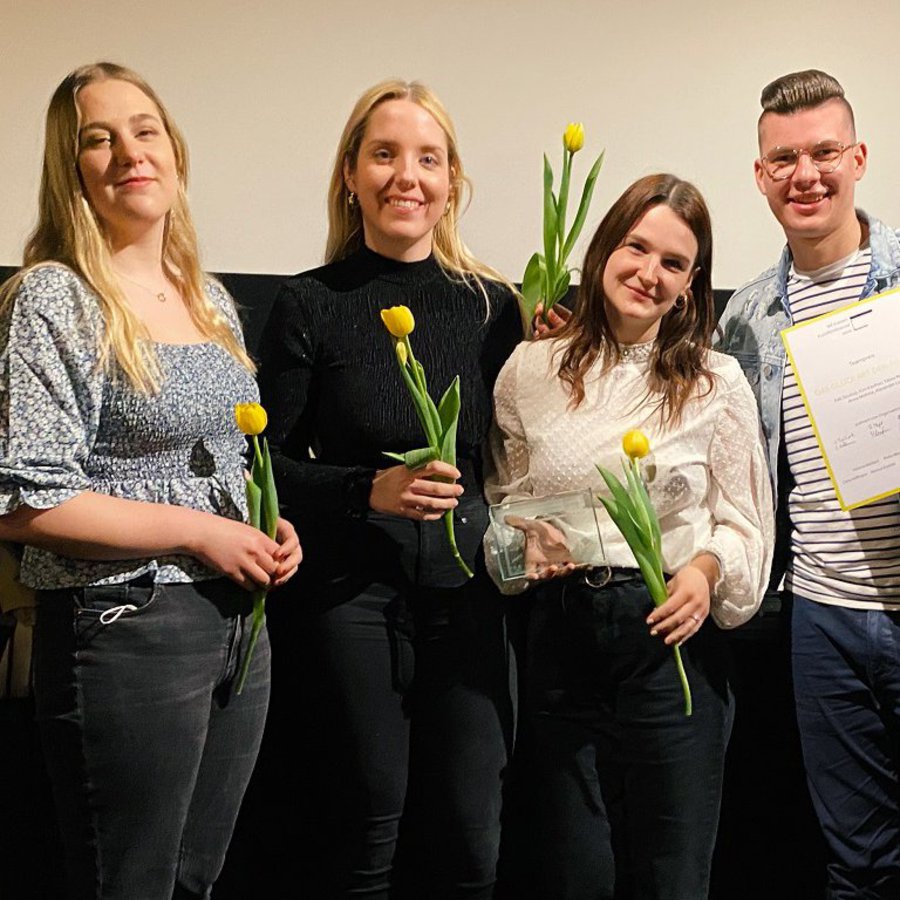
(847,689)
(626,788)
(148,748)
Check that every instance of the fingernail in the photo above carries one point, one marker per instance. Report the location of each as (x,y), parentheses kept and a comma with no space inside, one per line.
(653,632)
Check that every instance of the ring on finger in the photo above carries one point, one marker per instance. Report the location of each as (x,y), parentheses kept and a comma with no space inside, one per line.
(697,619)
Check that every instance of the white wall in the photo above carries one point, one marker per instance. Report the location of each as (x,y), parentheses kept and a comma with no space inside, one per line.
(262,93)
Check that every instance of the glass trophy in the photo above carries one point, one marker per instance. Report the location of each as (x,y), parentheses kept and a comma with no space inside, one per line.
(564,526)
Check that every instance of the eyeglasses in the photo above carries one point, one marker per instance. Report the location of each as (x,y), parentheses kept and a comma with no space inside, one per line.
(826,156)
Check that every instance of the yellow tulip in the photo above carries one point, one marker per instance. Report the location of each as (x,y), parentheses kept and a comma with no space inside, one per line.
(251,418)
(573,137)
(398,320)
(402,353)
(635,444)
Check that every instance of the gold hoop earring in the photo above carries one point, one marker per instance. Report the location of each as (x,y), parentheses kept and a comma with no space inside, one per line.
(351,199)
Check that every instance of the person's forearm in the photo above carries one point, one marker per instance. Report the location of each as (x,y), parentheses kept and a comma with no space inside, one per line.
(709,566)
(98,527)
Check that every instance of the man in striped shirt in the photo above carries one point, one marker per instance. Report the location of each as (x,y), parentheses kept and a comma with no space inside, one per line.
(842,568)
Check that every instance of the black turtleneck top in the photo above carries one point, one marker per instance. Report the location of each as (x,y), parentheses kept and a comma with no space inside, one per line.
(335,397)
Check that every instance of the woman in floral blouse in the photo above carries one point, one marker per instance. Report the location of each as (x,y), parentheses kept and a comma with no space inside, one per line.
(121,468)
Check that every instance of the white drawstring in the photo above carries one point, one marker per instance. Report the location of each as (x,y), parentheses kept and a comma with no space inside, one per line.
(107,617)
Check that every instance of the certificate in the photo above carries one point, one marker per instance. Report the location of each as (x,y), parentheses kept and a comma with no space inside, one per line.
(847,364)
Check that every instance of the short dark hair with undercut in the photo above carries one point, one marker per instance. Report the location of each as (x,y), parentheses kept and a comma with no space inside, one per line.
(803,90)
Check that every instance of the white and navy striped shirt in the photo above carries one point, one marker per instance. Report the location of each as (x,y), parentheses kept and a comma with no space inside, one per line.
(843,558)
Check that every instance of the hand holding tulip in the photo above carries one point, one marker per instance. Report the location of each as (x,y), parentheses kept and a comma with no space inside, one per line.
(547,275)
(412,493)
(262,503)
(633,513)
(556,317)
(687,607)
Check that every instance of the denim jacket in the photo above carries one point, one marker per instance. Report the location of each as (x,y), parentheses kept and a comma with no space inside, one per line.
(756,314)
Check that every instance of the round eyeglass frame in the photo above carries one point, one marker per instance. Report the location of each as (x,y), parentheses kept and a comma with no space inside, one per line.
(824,168)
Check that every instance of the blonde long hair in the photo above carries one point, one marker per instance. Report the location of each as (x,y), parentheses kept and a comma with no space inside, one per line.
(70,232)
(345,228)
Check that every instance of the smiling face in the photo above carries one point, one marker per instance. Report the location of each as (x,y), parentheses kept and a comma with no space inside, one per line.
(126,159)
(401,178)
(815,209)
(646,273)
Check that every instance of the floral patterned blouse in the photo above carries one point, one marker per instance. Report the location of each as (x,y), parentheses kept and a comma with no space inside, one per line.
(66,426)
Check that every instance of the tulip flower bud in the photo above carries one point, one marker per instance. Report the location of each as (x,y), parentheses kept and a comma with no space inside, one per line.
(402,355)
(573,137)
(635,444)
(398,320)
(251,418)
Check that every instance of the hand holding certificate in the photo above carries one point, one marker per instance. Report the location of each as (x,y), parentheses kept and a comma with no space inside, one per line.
(847,365)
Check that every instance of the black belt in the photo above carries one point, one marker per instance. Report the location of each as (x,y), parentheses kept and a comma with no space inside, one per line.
(601,576)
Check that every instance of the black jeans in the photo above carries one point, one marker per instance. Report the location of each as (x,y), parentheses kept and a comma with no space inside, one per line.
(149,750)
(626,787)
(409,717)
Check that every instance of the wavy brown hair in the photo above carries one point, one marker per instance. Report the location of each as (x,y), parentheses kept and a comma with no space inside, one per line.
(678,365)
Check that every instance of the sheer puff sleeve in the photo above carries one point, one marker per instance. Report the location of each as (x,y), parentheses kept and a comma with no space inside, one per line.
(507,470)
(50,389)
(740,500)
(507,475)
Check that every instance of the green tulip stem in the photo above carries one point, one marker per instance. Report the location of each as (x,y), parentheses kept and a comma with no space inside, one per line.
(257,453)
(416,371)
(561,205)
(685,686)
(259,619)
(451,537)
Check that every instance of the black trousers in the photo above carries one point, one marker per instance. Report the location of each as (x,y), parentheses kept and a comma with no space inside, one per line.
(626,789)
(406,714)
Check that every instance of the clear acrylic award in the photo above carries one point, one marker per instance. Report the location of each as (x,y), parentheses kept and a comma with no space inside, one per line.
(564,525)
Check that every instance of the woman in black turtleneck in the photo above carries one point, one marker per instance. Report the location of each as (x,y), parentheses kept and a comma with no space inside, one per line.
(408,658)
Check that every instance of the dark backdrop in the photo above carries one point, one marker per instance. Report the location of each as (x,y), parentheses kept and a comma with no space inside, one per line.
(768,847)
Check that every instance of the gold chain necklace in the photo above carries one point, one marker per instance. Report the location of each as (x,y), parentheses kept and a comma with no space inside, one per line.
(160,295)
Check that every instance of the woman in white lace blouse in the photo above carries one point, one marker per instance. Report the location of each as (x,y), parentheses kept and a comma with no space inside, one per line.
(626,787)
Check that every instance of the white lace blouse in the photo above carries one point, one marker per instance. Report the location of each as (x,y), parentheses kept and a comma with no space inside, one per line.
(711,484)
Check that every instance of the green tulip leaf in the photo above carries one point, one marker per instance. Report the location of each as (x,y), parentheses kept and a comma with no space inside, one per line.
(435,418)
(562,285)
(448,445)
(414,459)
(651,511)
(421,407)
(269,511)
(634,491)
(532,285)
(627,521)
(550,217)
(254,502)
(448,408)
(583,207)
